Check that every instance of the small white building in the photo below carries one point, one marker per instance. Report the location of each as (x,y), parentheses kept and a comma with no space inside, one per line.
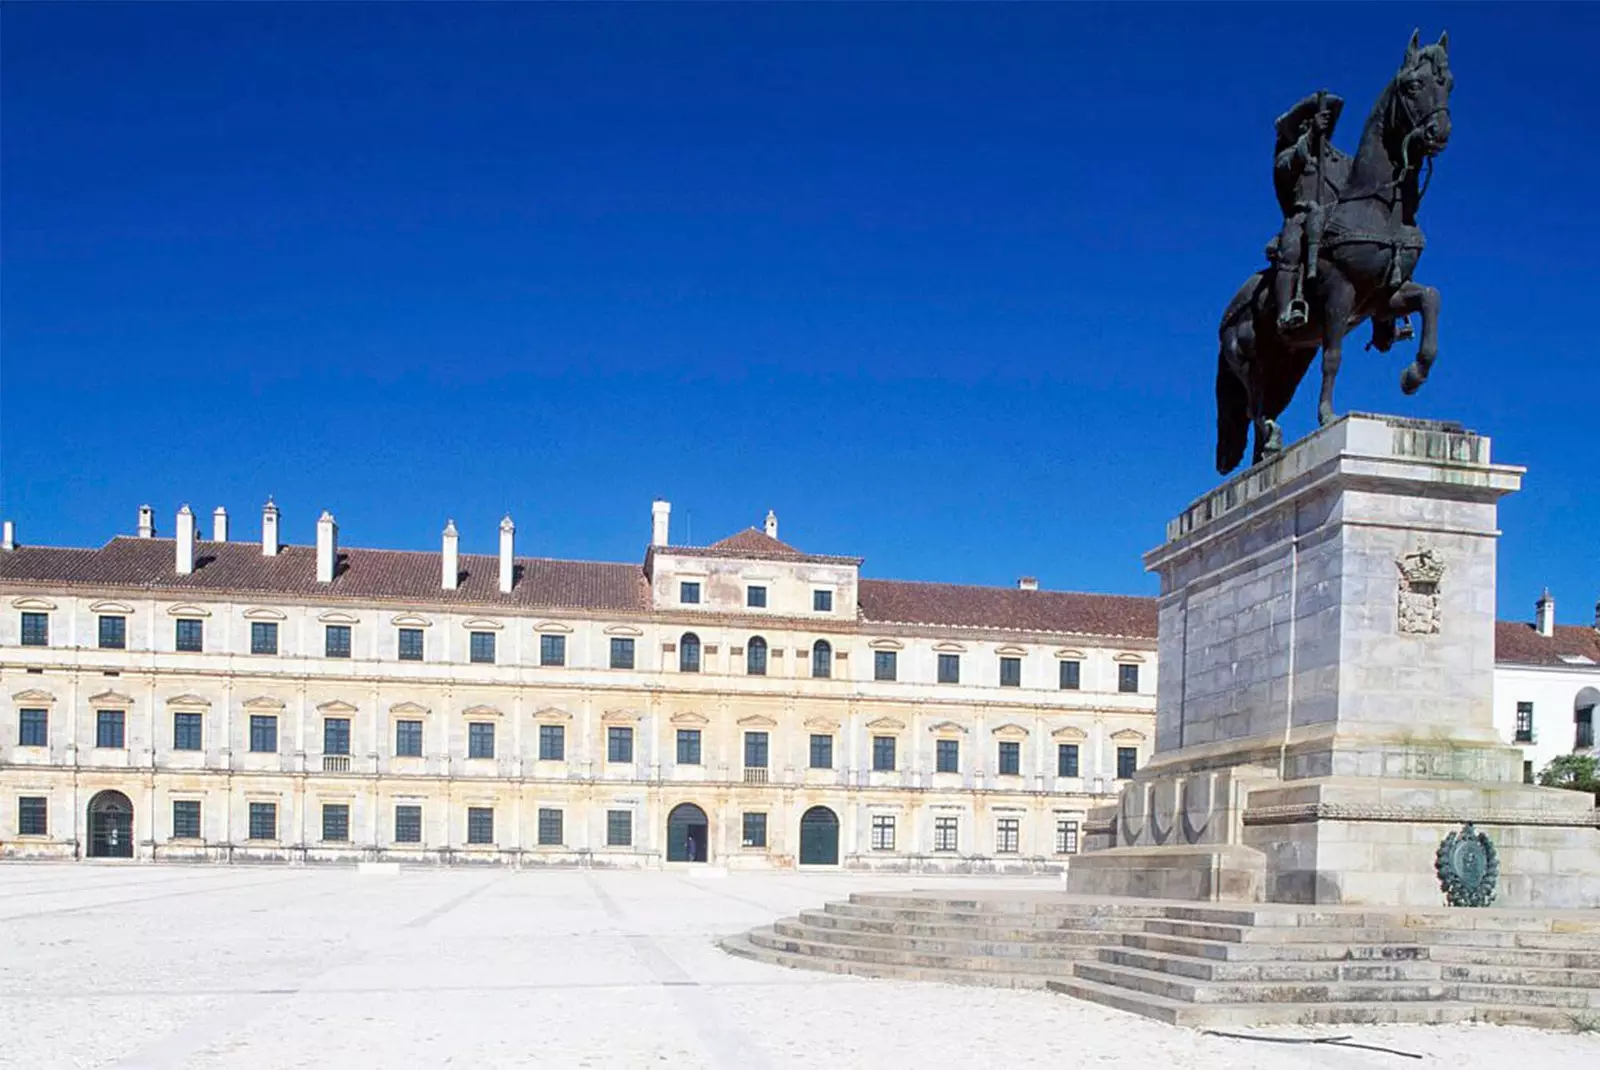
(1547,685)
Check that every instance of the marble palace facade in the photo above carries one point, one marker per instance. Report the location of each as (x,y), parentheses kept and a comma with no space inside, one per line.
(745,704)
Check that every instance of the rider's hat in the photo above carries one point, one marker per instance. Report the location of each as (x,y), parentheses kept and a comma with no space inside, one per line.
(1291,122)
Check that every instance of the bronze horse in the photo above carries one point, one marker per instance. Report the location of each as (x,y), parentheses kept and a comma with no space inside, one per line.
(1370,246)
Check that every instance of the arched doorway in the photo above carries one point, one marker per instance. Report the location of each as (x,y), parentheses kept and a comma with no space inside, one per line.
(110,826)
(819,837)
(688,834)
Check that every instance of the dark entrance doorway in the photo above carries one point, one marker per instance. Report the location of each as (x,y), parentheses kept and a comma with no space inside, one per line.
(819,837)
(110,826)
(688,834)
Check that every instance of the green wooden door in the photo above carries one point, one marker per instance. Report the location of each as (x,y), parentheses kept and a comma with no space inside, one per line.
(819,837)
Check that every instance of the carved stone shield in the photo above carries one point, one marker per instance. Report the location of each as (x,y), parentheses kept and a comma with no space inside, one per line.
(1468,868)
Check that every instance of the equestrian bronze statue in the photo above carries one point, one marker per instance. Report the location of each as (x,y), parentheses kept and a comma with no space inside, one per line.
(1346,252)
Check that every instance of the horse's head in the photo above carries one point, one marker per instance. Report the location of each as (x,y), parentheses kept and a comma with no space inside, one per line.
(1419,97)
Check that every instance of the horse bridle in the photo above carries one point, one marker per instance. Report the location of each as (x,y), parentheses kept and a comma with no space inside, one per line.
(1418,130)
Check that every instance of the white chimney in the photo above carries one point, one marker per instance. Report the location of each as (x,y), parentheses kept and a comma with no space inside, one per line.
(327,547)
(185,542)
(451,559)
(147,522)
(772,524)
(1028,583)
(8,541)
(269,529)
(219,525)
(660,515)
(507,561)
(1544,614)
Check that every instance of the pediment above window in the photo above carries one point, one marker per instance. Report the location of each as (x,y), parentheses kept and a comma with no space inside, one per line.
(624,629)
(756,720)
(337,707)
(1128,735)
(950,648)
(263,702)
(33,697)
(552,627)
(1013,651)
(188,610)
(111,698)
(1069,654)
(108,606)
(886,644)
(887,724)
(30,602)
(1129,659)
(408,709)
(1069,734)
(482,711)
(264,613)
(620,715)
(688,717)
(552,713)
(189,701)
(947,728)
(482,624)
(411,620)
(1011,730)
(336,616)
(822,724)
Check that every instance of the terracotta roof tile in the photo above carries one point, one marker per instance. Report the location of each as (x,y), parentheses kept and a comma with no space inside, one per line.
(955,605)
(1517,643)
(751,544)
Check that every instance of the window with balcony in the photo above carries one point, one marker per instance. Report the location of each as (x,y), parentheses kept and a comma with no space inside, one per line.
(946,834)
(263,733)
(407,823)
(1010,672)
(1067,760)
(1066,837)
(1127,762)
(263,637)
(821,752)
(755,750)
(1070,675)
(619,745)
(480,824)
(336,641)
(113,633)
(36,629)
(186,819)
(480,739)
(552,650)
(689,653)
(408,739)
(949,668)
(882,832)
(1010,758)
(552,743)
(335,822)
(1128,678)
(33,815)
(755,656)
(187,730)
(263,821)
(480,648)
(110,729)
(619,828)
(622,653)
(822,659)
(1524,723)
(885,665)
(755,830)
(688,746)
(1007,834)
(33,729)
(883,754)
(947,756)
(408,644)
(336,735)
(189,636)
(551,833)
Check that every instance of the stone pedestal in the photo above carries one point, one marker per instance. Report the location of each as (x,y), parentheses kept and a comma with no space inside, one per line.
(1324,710)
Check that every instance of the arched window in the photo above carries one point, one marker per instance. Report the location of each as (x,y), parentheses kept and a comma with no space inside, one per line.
(755,656)
(689,653)
(822,660)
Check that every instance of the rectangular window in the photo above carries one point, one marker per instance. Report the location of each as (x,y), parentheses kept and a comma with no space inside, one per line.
(947,756)
(336,735)
(408,644)
(552,743)
(688,746)
(1128,678)
(34,728)
(263,733)
(336,641)
(883,754)
(946,834)
(882,832)
(949,668)
(1069,675)
(33,816)
(36,629)
(335,822)
(1527,772)
(822,752)
(1010,758)
(481,648)
(113,633)
(1010,672)
(1127,762)
(622,653)
(186,819)
(755,597)
(1066,837)
(480,739)
(755,830)
(1007,831)
(408,824)
(550,830)
(885,665)
(263,821)
(187,730)
(408,739)
(552,650)
(110,729)
(263,637)
(619,828)
(619,745)
(480,824)
(689,593)
(190,636)
(1067,760)
(755,750)
(1524,722)
(822,601)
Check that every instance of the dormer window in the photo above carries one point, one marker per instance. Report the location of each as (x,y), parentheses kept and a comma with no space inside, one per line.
(822,601)
(689,593)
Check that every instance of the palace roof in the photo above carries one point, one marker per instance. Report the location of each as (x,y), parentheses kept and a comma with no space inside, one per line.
(1516,643)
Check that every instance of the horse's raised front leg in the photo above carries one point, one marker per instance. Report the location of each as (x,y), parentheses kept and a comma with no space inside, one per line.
(1415,297)
(1338,298)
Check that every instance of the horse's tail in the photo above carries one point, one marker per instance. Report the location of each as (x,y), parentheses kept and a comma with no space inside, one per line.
(1233,417)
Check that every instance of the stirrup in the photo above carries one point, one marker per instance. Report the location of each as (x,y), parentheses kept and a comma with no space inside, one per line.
(1403,330)
(1297,314)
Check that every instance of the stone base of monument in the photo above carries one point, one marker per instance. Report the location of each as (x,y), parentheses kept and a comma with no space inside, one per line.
(1324,712)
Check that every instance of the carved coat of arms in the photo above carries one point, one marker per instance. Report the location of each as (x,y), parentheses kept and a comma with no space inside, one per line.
(1468,868)
(1419,592)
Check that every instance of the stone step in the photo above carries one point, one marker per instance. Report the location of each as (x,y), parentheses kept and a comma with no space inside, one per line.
(1044,903)
(1188,990)
(1513,995)
(1231,951)
(1516,956)
(744,946)
(927,913)
(799,945)
(1519,974)
(1585,942)
(946,944)
(1278,917)
(1240,934)
(1248,1015)
(823,919)
(1304,972)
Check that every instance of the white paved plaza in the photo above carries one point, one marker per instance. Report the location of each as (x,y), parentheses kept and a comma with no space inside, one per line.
(135,966)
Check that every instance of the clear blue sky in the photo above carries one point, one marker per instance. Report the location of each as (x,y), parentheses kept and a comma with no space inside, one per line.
(938,284)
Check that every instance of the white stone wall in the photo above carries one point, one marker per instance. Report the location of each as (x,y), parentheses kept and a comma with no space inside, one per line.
(1555,691)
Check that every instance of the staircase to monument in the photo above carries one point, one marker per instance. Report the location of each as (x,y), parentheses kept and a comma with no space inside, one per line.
(1215,966)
